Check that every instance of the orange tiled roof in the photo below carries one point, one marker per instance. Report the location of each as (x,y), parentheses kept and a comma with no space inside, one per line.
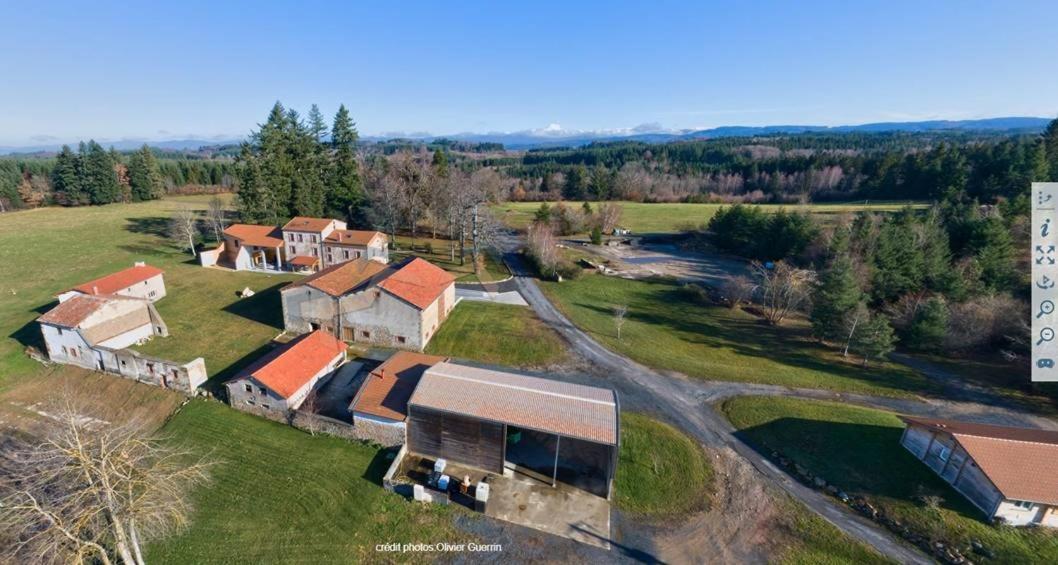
(418,282)
(386,390)
(292,365)
(258,236)
(351,237)
(571,410)
(1020,462)
(71,313)
(119,281)
(302,223)
(304,260)
(338,280)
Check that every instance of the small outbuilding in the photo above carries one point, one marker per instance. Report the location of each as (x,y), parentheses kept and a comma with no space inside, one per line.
(498,421)
(282,379)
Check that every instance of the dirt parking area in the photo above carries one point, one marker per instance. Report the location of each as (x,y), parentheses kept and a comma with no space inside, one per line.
(644,258)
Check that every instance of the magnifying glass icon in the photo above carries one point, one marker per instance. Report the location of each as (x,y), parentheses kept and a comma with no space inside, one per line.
(1046,334)
(1046,309)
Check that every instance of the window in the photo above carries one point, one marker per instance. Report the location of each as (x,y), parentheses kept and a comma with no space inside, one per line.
(123,363)
(266,407)
(944,454)
(312,238)
(150,368)
(248,387)
(151,293)
(250,402)
(261,390)
(291,237)
(236,244)
(346,252)
(64,352)
(365,334)
(400,339)
(1022,504)
(299,238)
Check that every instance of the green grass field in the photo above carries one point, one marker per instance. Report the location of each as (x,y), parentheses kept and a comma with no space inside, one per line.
(664,217)
(667,331)
(858,450)
(660,471)
(807,539)
(46,251)
(279,495)
(498,333)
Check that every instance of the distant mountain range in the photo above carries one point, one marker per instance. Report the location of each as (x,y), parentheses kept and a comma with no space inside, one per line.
(555,136)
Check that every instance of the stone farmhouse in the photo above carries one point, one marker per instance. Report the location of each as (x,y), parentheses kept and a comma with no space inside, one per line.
(1005,472)
(281,380)
(94,330)
(303,244)
(364,301)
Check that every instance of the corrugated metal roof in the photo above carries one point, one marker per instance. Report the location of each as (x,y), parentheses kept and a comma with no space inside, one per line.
(567,409)
(1020,462)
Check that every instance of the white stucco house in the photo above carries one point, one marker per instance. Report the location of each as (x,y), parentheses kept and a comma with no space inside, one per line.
(139,281)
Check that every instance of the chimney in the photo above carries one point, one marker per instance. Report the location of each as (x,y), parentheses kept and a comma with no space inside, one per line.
(139,264)
(95,289)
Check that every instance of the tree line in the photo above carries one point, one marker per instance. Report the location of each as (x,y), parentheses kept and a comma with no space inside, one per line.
(94,175)
(789,168)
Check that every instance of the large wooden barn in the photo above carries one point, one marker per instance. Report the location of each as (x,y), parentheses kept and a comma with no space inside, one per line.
(497,421)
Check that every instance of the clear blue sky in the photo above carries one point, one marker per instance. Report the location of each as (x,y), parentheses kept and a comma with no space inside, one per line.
(170,70)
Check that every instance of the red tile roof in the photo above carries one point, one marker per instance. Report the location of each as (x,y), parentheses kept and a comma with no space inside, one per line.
(386,390)
(258,236)
(339,279)
(418,282)
(571,410)
(1020,462)
(292,365)
(302,223)
(304,261)
(352,237)
(72,312)
(119,281)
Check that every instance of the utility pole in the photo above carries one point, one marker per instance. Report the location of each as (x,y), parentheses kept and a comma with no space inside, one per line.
(474,237)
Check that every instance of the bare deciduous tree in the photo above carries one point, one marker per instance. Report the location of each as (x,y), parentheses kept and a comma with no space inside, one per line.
(619,313)
(609,216)
(183,227)
(738,290)
(782,288)
(541,247)
(215,217)
(92,492)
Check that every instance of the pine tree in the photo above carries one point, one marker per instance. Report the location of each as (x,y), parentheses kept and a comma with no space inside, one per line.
(1050,140)
(993,248)
(873,338)
(66,178)
(835,299)
(929,326)
(440,163)
(317,126)
(145,178)
(253,198)
(345,194)
(99,178)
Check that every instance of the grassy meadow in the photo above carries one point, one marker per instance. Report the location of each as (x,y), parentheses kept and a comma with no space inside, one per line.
(858,450)
(498,333)
(641,217)
(280,495)
(666,330)
(661,472)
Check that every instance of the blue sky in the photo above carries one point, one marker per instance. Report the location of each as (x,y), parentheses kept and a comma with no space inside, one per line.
(207,69)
